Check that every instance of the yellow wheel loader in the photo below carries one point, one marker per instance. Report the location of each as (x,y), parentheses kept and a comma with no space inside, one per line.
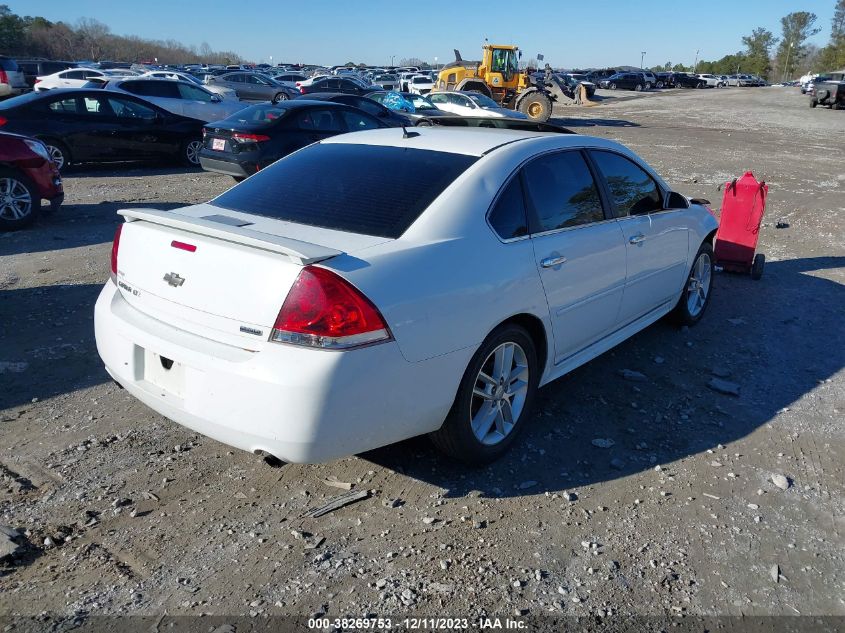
(497,75)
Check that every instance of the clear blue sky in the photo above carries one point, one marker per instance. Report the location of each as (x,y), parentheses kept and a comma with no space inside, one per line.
(569,34)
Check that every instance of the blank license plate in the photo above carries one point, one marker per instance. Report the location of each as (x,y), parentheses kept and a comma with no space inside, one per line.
(170,380)
(218,144)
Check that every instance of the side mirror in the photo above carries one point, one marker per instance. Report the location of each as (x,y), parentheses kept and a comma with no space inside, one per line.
(674,200)
(216,98)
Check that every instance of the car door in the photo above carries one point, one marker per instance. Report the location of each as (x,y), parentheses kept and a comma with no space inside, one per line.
(315,124)
(198,104)
(656,240)
(71,79)
(140,133)
(462,105)
(69,120)
(235,81)
(579,250)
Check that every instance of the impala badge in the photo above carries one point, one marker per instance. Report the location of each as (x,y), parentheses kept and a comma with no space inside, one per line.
(174,279)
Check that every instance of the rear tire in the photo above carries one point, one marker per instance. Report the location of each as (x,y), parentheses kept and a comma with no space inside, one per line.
(477,430)
(280,96)
(239,178)
(813,103)
(698,289)
(757,266)
(19,200)
(612,86)
(835,106)
(190,154)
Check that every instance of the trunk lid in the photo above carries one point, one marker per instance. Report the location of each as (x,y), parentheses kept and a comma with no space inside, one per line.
(217,273)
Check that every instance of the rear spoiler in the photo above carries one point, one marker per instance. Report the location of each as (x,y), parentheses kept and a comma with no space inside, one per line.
(303,253)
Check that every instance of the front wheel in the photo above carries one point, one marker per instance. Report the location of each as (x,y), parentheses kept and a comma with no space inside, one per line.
(648,86)
(19,200)
(813,103)
(281,96)
(494,398)
(612,86)
(536,106)
(695,296)
(660,85)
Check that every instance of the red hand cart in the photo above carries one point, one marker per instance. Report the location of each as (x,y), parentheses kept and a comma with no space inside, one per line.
(743,206)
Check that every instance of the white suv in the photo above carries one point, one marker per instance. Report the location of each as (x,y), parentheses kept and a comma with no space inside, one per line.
(713,81)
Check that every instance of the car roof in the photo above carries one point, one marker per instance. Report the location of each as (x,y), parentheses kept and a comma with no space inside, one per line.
(471,141)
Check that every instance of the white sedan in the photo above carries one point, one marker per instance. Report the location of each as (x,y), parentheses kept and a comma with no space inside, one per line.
(77,78)
(311,319)
(472,104)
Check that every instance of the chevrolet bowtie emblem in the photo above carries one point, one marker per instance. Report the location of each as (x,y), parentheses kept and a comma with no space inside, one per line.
(174,279)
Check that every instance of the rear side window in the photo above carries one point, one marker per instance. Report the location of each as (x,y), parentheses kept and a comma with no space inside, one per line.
(9,65)
(562,192)
(632,190)
(346,187)
(67,105)
(508,216)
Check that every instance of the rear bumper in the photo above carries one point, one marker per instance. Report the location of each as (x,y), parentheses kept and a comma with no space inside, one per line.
(301,405)
(225,166)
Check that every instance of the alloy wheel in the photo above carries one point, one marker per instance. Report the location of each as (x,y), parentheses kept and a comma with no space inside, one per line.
(56,155)
(192,152)
(499,394)
(15,200)
(698,286)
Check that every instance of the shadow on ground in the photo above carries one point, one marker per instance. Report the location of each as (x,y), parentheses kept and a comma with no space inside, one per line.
(72,226)
(791,320)
(47,342)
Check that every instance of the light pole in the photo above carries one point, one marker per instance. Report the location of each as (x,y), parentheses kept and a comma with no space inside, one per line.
(435,64)
(391,59)
(695,65)
(271,60)
(642,57)
(786,65)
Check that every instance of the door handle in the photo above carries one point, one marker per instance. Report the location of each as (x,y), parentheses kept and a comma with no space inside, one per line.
(551,262)
(639,238)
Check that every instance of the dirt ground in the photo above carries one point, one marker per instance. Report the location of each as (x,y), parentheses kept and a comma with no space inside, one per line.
(120,511)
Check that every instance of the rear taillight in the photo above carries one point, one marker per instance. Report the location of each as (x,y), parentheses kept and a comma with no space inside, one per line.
(38,81)
(243,137)
(302,90)
(115,246)
(324,310)
(3,121)
(4,78)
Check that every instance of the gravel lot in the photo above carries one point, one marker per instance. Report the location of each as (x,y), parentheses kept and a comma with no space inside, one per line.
(123,512)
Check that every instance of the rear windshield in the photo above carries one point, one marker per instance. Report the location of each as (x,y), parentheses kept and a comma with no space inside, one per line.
(8,64)
(347,188)
(257,115)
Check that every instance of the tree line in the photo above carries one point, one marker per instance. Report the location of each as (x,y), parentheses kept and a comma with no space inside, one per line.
(27,36)
(780,58)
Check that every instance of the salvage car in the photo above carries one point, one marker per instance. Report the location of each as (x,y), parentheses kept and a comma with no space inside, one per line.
(253,138)
(86,126)
(828,93)
(179,97)
(252,86)
(27,176)
(626,81)
(475,104)
(417,108)
(374,108)
(327,306)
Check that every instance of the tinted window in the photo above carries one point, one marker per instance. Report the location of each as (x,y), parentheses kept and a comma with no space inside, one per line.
(126,109)
(360,196)
(632,190)
(8,64)
(357,121)
(508,216)
(74,74)
(363,104)
(186,91)
(152,88)
(65,106)
(320,120)
(562,191)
